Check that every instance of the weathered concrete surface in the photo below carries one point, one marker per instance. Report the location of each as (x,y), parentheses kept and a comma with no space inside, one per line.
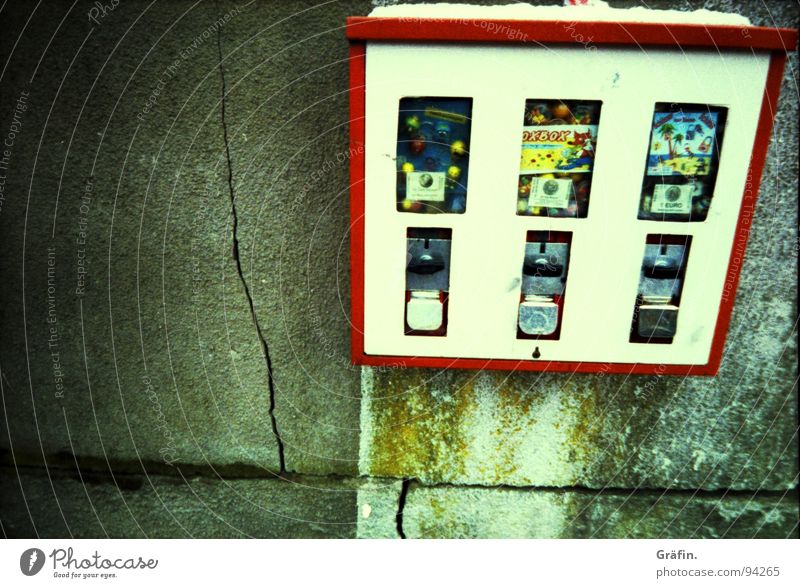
(166,301)
(286,74)
(450,512)
(68,504)
(378,504)
(519,429)
(163,507)
(158,354)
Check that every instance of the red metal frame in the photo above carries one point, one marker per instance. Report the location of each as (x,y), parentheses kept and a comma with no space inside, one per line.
(365,28)
(362,29)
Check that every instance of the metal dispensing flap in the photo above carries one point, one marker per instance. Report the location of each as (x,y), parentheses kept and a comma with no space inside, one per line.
(658,321)
(544,268)
(538,315)
(428,266)
(661,271)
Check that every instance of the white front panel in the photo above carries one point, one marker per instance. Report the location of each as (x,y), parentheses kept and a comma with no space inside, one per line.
(607,246)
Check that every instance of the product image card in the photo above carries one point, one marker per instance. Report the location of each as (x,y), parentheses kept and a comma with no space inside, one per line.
(558,148)
(682,143)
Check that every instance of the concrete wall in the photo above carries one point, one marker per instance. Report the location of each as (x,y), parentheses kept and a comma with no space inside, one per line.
(175,301)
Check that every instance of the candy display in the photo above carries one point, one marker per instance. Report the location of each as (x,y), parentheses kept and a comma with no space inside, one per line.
(559,139)
(433,154)
(682,162)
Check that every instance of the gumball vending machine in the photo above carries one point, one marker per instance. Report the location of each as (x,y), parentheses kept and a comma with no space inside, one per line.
(553,188)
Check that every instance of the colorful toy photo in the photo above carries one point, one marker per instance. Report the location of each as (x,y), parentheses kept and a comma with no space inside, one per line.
(682,143)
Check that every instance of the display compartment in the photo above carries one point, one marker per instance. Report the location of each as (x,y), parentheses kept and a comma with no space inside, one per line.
(433,154)
(559,140)
(682,162)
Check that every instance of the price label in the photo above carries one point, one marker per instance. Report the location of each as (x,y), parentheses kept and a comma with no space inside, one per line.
(672,199)
(550,192)
(428,186)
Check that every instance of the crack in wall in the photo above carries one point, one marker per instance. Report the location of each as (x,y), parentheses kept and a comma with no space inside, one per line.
(237,258)
(66,462)
(401,505)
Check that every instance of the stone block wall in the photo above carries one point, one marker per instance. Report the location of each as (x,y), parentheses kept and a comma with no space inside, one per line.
(174,359)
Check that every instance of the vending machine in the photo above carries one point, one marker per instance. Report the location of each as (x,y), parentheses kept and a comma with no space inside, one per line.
(544,192)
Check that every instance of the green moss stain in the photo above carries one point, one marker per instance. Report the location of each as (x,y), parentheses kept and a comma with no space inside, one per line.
(455,426)
(416,420)
(523,429)
(585,432)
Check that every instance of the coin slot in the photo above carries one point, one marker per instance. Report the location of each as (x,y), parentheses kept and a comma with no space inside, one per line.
(543,284)
(427,281)
(655,315)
